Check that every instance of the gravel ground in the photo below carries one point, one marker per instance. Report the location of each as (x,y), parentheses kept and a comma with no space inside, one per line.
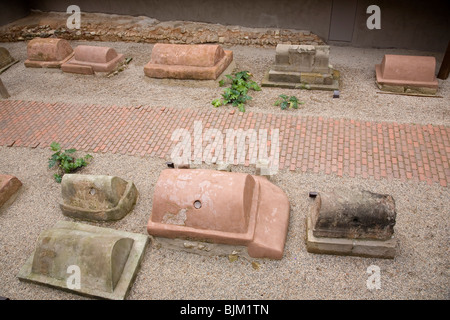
(419,271)
(359,98)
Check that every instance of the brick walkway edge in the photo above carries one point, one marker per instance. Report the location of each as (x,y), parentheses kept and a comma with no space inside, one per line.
(313,144)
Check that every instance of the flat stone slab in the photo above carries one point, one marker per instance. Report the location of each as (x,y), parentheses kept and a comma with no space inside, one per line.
(180,61)
(9,185)
(385,249)
(334,85)
(407,74)
(235,209)
(48,53)
(90,59)
(6,60)
(97,197)
(108,260)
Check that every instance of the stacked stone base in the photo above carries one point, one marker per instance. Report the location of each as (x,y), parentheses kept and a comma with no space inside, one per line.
(302,80)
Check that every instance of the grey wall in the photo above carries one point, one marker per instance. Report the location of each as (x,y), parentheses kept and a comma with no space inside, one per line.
(13,10)
(409,24)
(422,25)
(313,15)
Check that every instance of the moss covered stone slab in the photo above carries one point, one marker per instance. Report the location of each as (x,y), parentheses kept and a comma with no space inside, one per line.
(6,60)
(107,260)
(97,197)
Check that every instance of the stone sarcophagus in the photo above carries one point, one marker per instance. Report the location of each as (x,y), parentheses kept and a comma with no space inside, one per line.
(302,66)
(183,61)
(407,74)
(9,185)
(220,213)
(6,60)
(48,53)
(105,260)
(91,59)
(352,222)
(97,197)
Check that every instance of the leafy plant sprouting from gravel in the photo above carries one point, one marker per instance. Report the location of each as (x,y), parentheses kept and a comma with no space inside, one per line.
(288,102)
(66,163)
(237,93)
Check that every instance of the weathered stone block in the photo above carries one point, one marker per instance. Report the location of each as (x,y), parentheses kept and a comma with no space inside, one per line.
(396,73)
(6,60)
(97,59)
(9,185)
(233,209)
(302,66)
(48,53)
(107,259)
(385,249)
(352,222)
(177,61)
(354,214)
(97,197)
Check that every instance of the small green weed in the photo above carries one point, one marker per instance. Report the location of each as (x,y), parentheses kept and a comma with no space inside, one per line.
(66,163)
(288,102)
(237,93)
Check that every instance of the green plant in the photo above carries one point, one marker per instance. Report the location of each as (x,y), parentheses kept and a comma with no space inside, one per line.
(65,162)
(237,93)
(288,102)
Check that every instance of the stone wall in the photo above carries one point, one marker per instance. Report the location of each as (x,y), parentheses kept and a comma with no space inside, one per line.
(101,27)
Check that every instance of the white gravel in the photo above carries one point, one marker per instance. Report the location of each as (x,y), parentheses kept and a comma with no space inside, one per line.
(359,98)
(420,270)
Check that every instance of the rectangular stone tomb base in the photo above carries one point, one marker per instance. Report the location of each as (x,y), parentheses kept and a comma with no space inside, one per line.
(349,247)
(90,59)
(293,80)
(107,260)
(204,248)
(302,67)
(414,75)
(48,53)
(197,62)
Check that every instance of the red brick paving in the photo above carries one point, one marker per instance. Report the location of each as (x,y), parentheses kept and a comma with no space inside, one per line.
(343,147)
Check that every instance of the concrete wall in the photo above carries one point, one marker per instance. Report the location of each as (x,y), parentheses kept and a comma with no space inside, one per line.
(13,10)
(310,15)
(422,25)
(409,24)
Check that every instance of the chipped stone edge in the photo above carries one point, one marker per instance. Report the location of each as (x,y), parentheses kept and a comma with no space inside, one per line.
(126,280)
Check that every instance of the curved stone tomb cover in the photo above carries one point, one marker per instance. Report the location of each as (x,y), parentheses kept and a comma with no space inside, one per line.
(9,185)
(107,260)
(97,197)
(221,207)
(410,74)
(184,61)
(90,59)
(353,222)
(6,60)
(48,52)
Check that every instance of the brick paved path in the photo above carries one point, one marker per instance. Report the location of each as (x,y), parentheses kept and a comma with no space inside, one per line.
(315,144)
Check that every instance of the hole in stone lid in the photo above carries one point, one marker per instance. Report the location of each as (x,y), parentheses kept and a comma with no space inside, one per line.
(197,204)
